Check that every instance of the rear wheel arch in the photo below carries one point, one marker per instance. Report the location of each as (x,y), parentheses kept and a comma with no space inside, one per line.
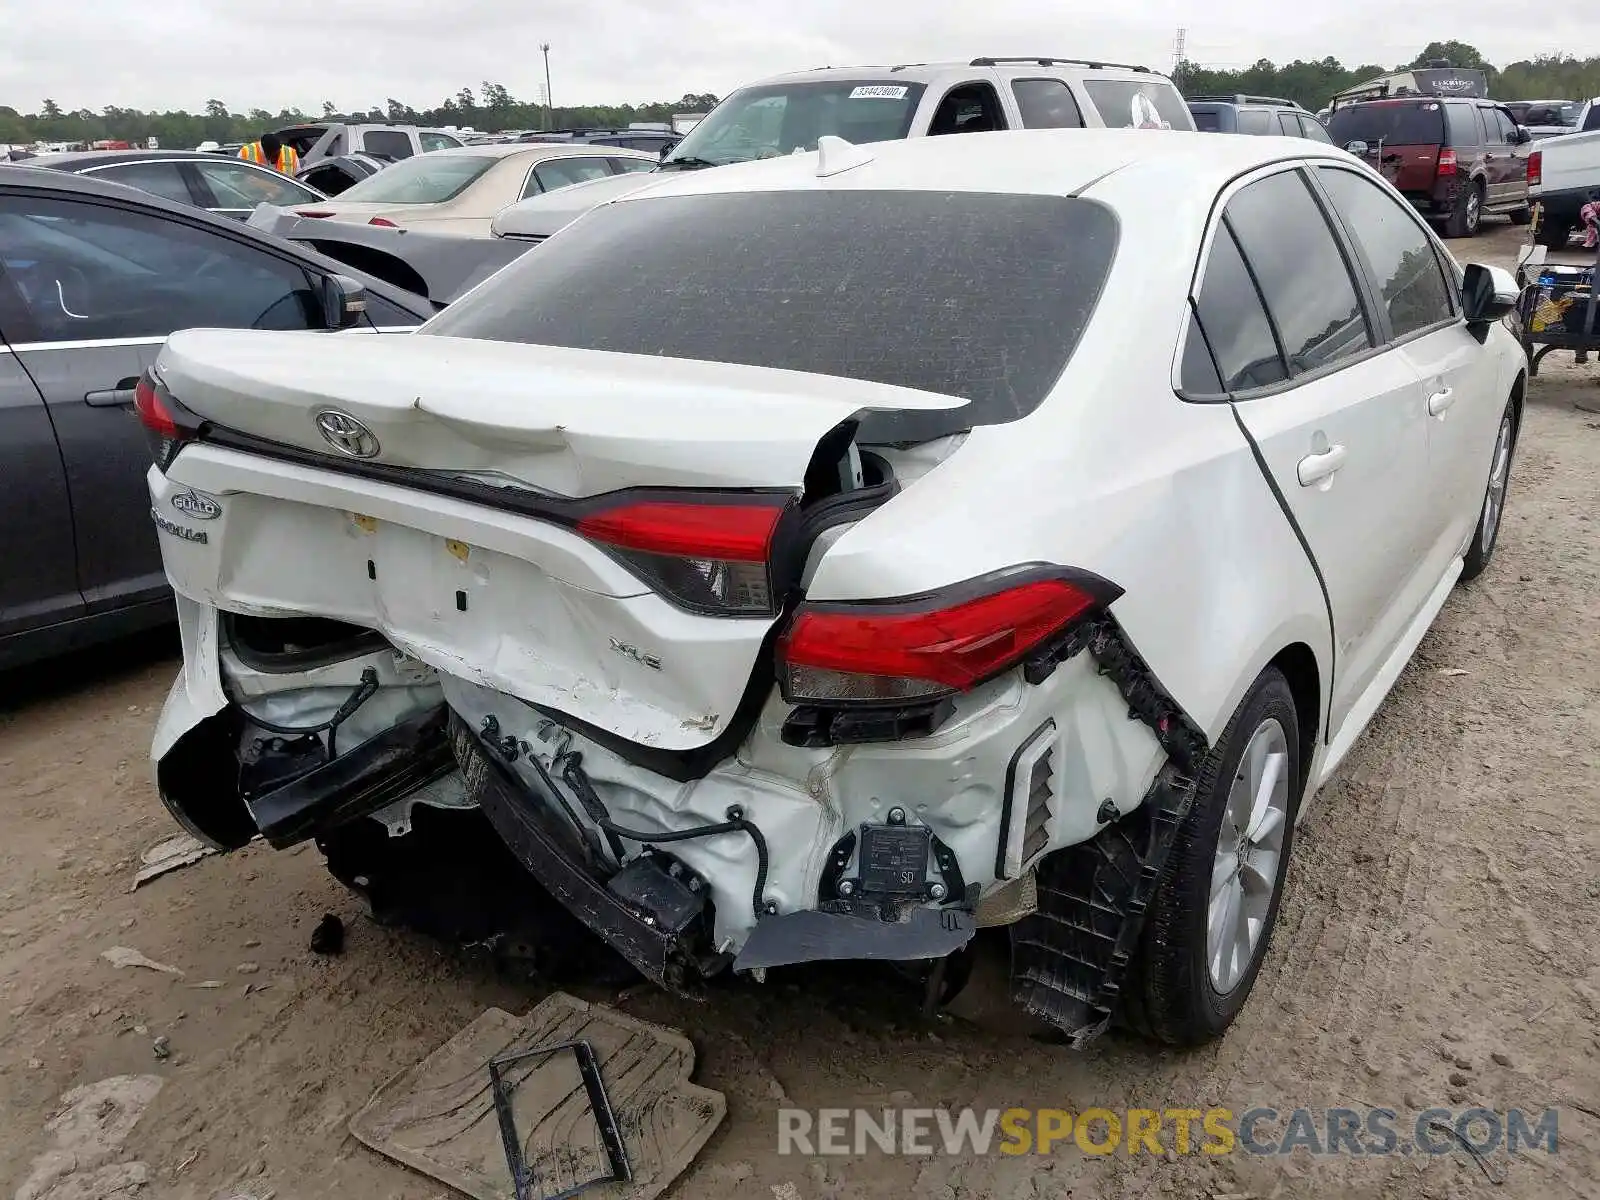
(1297,663)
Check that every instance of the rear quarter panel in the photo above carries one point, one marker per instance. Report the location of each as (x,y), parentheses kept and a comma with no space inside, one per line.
(1115,474)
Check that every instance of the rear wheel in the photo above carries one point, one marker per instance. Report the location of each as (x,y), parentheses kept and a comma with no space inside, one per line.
(1494,497)
(1467,214)
(1211,920)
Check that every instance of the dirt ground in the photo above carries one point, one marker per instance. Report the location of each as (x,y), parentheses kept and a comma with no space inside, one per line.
(1436,947)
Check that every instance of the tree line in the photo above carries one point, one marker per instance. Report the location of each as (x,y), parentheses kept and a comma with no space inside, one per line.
(492,108)
(1313,84)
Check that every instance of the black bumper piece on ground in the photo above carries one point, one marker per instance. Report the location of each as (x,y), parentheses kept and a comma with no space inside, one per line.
(382,770)
(548,851)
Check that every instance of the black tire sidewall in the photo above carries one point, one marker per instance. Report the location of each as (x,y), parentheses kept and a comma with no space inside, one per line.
(1478,554)
(1190,1008)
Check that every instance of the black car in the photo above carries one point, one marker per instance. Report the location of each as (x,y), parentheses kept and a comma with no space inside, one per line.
(1261,116)
(93,277)
(229,186)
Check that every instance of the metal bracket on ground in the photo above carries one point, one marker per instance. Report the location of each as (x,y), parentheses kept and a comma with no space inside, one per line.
(522,1179)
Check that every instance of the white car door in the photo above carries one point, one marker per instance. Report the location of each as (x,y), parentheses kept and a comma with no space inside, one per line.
(1422,307)
(1337,423)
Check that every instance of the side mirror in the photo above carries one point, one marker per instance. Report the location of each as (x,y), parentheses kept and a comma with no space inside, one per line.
(1358,148)
(344,302)
(1487,293)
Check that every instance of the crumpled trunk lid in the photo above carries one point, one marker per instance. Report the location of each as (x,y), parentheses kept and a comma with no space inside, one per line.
(443,529)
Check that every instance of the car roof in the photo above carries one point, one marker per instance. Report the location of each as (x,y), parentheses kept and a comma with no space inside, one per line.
(926,72)
(538,150)
(71,160)
(26,175)
(1052,162)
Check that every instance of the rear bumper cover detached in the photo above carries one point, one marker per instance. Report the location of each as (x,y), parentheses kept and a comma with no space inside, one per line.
(531,827)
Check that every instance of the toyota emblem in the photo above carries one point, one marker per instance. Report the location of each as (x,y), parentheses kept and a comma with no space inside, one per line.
(346,434)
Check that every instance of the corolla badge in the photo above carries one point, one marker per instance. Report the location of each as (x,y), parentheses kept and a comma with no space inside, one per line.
(346,434)
(193,504)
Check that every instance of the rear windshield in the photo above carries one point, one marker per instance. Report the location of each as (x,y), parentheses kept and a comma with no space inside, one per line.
(763,122)
(422,179)
(977,295)
(1152,104)
(1394,123)
(1206,120)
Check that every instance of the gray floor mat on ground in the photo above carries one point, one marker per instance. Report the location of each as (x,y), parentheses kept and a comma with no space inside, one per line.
(438,1117)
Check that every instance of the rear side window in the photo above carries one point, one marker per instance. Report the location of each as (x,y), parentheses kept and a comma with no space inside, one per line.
(1301,271)
(436,141)
(1288,124)
(1124,104)
(563,172)
(1046,104)
(1312,128)
(1235,324)
(1463,124)
(387,143)
(1253,121)
(1394,123)
(970,294)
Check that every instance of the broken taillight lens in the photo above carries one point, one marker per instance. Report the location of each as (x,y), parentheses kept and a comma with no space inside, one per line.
(167,424)
(896,652)
(712,556)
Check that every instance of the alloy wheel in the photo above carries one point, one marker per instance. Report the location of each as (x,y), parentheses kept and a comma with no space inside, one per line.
(1244,875)
(1494,501)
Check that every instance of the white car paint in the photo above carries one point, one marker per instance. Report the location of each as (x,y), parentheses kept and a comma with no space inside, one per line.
(1113,473)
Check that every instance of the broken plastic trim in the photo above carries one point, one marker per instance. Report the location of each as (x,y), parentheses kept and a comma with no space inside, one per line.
(522,1179)
(1069,959)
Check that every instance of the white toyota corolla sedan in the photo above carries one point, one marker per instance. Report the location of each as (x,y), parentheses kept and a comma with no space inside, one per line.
(828,557)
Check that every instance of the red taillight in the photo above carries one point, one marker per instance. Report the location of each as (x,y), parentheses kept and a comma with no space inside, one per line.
(384,221)
(153,413)
(711,556)
(1447,162)
(864,653)
(1536,168)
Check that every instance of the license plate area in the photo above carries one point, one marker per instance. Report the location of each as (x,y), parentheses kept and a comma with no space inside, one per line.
(894,859)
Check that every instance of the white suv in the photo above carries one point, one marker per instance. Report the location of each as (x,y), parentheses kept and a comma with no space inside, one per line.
(788,113)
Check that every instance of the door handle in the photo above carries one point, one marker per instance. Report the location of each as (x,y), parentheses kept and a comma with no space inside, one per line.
(1439,403)
(1315,468)
(113,397)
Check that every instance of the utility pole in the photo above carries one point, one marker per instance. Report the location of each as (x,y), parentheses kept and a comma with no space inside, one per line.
(1178,51)
(549,122)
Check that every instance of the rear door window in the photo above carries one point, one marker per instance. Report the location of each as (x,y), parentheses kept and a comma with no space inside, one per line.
(563,172)
(1254,121)
(971,294)
(1301,271)
(1312,128)
(240,187)
(1494,132)
(1288,124)
(1126,104)
(968,108)
(436,141)
(1046,104)
(626,166)
(387,143)
(163,179)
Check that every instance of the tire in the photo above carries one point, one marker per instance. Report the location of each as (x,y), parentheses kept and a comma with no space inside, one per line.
(1492,515)
(1467,214)
(1174,994)
(1554,233)
(1521,216)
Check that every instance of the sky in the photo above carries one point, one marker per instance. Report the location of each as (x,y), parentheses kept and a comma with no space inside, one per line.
(161,54)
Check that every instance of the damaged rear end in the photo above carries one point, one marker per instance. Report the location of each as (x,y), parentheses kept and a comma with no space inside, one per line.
(559,571)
